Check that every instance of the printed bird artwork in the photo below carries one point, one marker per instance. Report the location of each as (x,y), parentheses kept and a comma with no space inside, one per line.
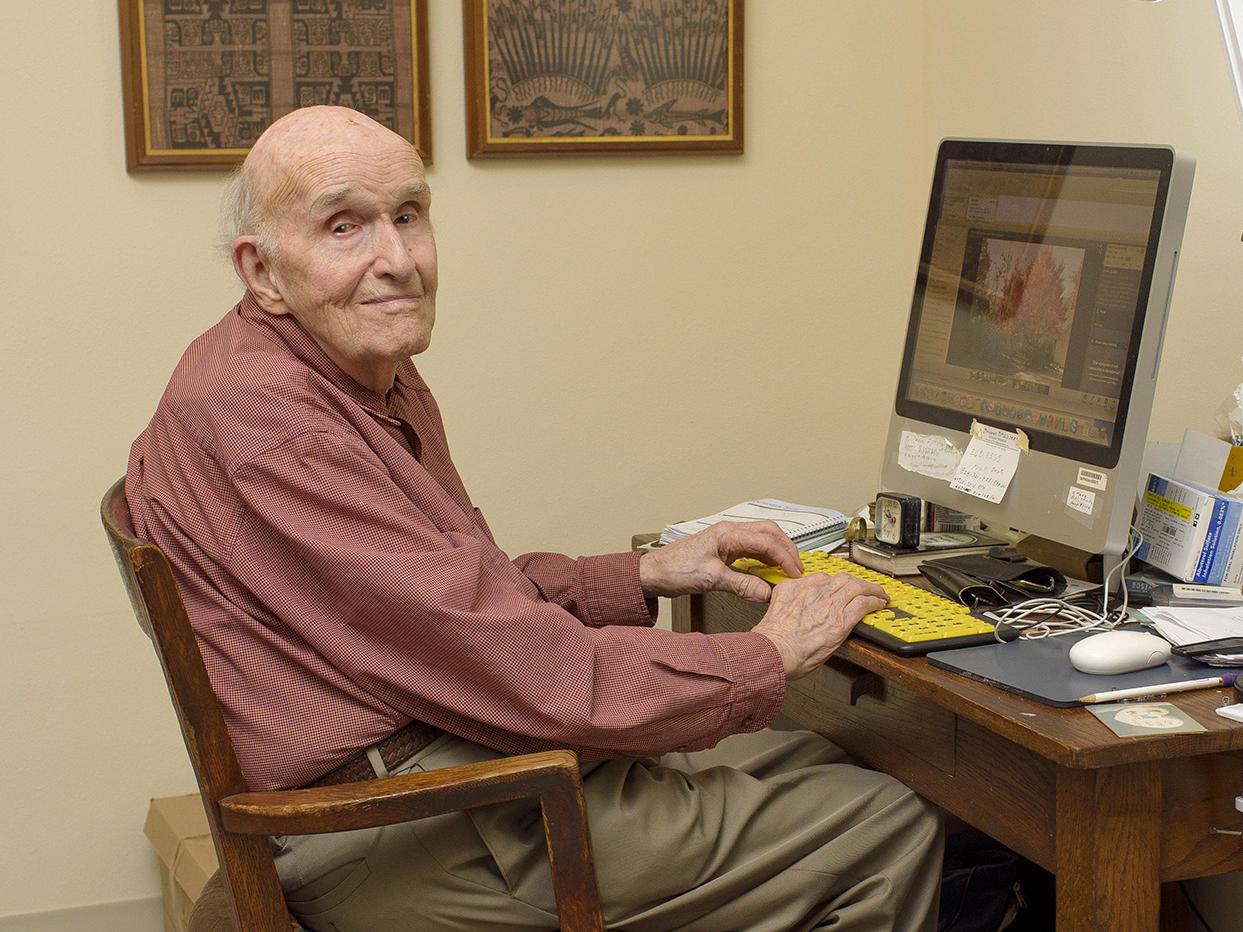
(596,68)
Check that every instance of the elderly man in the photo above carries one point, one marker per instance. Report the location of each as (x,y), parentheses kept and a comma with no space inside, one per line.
(356,617)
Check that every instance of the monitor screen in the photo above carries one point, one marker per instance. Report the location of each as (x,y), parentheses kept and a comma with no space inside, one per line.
(1031,291)
(1040,302)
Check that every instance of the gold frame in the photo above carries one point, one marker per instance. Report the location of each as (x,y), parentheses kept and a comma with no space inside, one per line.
(141,155)
(483,142)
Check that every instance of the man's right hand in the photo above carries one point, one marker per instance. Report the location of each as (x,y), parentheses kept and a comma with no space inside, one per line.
(808,618)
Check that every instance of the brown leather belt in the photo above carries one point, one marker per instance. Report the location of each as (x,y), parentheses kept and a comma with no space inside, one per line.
(397,747)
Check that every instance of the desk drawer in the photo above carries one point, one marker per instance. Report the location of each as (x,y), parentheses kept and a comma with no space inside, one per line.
(979,776)
(886,727)
(872,720)
(1197,794)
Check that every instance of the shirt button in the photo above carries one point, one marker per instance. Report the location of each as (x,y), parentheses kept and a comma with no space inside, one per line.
(746,722)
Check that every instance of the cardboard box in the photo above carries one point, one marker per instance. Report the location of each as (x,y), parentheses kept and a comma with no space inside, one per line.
(1193,532)
(178,830)
(1210,462)
(1070,561)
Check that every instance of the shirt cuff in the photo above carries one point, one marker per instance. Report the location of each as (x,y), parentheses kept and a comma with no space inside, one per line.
(611,590)
(758,675)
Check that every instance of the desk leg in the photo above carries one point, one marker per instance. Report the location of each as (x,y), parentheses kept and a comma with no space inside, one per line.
(1174,913)
(687,613)
(1108,849)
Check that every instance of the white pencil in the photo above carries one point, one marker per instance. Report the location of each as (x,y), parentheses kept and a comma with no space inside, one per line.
(1141,692)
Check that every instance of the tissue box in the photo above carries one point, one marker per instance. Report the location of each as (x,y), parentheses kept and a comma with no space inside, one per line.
(178,830)
(1193,532)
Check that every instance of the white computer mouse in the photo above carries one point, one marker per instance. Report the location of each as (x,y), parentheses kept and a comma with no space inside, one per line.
(1119,652)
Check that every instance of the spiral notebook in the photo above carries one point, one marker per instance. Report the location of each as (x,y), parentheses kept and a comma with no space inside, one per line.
(807,525)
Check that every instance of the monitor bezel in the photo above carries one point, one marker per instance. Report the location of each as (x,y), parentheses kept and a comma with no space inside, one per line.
(1057,155)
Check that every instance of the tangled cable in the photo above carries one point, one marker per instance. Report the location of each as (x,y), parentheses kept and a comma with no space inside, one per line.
(1046,617)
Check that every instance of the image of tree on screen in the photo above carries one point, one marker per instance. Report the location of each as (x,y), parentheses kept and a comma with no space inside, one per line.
(1020,301)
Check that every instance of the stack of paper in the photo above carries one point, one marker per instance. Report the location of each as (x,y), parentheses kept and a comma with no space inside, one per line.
(1184,627)
(806,525)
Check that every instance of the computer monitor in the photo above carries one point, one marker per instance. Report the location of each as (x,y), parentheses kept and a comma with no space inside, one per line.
(1040,304)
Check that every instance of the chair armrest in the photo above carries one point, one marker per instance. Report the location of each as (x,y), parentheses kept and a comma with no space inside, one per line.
(402,798)
(551,776)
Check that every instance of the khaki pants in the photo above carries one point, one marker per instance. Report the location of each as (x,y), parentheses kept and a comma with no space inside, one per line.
(767,831)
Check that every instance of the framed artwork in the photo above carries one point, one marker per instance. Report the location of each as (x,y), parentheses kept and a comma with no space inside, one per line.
(203,78)
(603,76)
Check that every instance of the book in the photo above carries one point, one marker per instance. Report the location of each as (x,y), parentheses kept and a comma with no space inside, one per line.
(807,525)
(933,545)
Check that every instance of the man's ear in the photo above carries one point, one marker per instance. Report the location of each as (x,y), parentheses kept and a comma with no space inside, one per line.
(255,270)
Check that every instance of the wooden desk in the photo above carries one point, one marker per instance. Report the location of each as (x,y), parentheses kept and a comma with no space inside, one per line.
(1113,818)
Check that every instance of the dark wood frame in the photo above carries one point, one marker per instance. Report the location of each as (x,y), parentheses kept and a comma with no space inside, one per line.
(140,156)
(481,144)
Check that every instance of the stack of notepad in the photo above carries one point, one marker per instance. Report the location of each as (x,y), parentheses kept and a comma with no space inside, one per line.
(808,526)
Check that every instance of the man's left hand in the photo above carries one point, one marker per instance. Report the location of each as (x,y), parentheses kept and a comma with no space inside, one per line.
(701,562)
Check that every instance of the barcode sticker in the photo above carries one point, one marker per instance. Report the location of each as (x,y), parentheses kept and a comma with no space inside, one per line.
(1093,478)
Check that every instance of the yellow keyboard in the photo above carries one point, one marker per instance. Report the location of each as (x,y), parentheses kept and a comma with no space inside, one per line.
(915,622)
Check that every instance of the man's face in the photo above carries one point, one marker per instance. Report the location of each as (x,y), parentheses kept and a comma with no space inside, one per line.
(356,263)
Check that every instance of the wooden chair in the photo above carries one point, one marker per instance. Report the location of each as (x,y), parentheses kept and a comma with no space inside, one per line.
(241,820)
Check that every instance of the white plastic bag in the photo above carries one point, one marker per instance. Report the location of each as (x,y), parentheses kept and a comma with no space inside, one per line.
(1230,417)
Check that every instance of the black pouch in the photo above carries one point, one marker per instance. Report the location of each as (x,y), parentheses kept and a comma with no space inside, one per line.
(961,587)
(990,580)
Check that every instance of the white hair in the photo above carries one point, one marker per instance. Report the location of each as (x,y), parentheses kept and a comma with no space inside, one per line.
(241,214)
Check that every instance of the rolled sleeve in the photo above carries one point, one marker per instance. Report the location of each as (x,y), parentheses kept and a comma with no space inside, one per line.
(598,590)
(751,666)
(759,680)
(613,595)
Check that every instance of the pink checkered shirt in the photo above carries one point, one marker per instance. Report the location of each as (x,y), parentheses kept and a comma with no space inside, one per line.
(341,583)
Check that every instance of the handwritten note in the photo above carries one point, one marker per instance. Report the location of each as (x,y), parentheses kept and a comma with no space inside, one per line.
(928,455)
(1081,500)
(990,462)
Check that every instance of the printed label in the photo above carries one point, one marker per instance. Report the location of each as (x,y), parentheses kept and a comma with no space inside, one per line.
(1015,439)
(1093,478)
(1167,505)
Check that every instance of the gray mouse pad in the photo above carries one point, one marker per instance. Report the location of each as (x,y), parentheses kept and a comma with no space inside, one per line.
(1041,670)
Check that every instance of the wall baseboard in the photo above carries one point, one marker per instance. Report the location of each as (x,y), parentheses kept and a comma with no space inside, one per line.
(145,914)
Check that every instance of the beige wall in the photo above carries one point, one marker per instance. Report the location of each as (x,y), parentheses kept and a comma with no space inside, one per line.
(621,341)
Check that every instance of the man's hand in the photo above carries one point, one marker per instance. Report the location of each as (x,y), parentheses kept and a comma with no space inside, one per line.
(810,617)
(700,563)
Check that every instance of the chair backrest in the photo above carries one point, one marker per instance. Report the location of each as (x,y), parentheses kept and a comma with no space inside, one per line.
(245,860)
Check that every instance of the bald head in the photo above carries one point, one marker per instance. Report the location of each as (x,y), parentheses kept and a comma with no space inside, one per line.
(273,176)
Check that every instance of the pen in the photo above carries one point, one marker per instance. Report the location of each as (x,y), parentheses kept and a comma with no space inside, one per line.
(1139,692)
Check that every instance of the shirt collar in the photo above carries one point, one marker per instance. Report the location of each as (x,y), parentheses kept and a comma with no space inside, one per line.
(289,333)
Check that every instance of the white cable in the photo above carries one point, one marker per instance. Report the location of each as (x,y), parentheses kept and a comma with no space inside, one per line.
(1054,617)
(1137,535)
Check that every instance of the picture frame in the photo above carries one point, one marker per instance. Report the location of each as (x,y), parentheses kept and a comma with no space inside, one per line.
(579,77)
(221,74)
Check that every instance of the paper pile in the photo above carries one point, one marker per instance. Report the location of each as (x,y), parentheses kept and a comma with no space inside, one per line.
(1220,628)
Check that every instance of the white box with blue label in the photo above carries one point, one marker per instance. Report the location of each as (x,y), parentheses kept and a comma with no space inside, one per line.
(1191,531)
